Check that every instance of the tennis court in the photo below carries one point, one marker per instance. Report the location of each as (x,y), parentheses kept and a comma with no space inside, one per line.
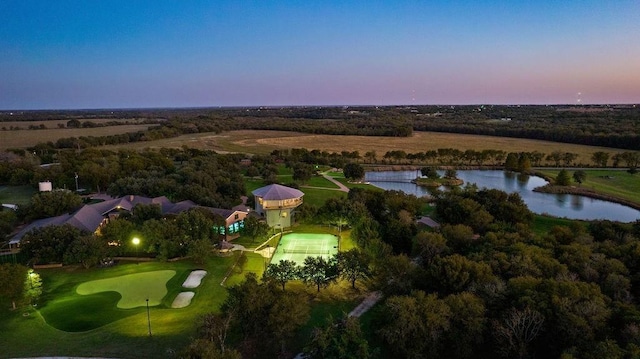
(298,246)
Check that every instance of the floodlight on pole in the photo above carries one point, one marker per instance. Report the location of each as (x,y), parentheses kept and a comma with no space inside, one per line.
(135,242)
(148,317)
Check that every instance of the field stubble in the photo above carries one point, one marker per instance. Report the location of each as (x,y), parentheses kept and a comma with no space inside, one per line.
(28,138)
(263,142)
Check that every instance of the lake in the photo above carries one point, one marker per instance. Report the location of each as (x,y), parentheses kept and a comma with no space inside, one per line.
(558,205)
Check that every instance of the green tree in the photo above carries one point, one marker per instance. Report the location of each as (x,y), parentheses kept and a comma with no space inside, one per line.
(353,265)
(456,273)
(353,171)
(253,171)
(371,156)
(600,158)
(563,179)
(459,237)
(144,212)
(265,316)
(200,250)
(254,227)
(511,163)
(51,204)
(33,286)
(556,157)
(579,176)
(117,233)
(524,163)
(319,272)
(568,158)
(414,326)
(427,246)
(48,244)
(302,172)
(338,339)
(87,250)
(468,323)
(429,172)
(8,221)
(196,224)
(450,173)
(289,312)
(396,274)
(282,272)
(12,280)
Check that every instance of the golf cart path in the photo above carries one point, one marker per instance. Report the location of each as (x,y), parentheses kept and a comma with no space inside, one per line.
(343,188)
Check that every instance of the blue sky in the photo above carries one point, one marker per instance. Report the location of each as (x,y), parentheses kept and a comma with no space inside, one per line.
(114,54)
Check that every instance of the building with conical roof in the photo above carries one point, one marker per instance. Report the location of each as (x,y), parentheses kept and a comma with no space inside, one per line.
(277,204)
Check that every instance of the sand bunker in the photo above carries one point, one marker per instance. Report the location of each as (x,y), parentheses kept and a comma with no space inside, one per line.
(194,279)
(182,300)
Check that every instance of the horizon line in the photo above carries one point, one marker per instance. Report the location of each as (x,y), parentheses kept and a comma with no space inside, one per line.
(11,111)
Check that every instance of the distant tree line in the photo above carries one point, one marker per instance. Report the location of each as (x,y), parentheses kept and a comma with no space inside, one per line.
(608,126)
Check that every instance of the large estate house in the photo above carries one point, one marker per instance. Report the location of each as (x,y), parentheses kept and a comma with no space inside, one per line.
(275,203)
(91,217)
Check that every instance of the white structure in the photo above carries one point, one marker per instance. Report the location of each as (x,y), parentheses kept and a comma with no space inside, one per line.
(45,186)
(276,203)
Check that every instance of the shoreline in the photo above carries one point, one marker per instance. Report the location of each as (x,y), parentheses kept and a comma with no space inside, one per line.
(585,192)
(548,188)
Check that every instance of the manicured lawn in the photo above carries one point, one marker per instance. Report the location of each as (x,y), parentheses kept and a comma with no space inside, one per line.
(317,197)
(319,181)
(542,224)
(612,182)
(135,289)
(255,264)
(123,332)
(16,194)
(251,184)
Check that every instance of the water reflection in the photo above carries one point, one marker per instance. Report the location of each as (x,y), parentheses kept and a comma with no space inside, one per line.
(577,202)
(569,206)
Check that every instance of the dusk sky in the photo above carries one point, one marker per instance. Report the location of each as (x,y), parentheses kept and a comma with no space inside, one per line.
(122,54)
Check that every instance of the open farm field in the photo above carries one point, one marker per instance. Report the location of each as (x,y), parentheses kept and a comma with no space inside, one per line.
(54,124)
(28,138)
(262,142)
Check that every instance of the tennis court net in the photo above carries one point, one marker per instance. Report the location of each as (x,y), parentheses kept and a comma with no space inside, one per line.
(305,251)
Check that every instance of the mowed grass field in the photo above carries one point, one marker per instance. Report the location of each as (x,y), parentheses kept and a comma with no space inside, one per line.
(16,194)
(617,183)
(263,142)
(109,331)
(28,138)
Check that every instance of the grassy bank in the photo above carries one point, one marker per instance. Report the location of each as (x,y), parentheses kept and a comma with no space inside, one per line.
(615,183)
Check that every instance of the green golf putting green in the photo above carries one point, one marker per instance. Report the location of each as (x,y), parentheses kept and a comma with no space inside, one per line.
(135,289)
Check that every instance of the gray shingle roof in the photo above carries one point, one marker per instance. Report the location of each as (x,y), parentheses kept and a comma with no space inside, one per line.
(89,217)
(275,192)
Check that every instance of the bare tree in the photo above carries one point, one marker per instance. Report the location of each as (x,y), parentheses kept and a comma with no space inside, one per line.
(516,330)
(215,328)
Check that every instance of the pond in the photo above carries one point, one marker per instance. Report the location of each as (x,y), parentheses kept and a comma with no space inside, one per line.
(558,205)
